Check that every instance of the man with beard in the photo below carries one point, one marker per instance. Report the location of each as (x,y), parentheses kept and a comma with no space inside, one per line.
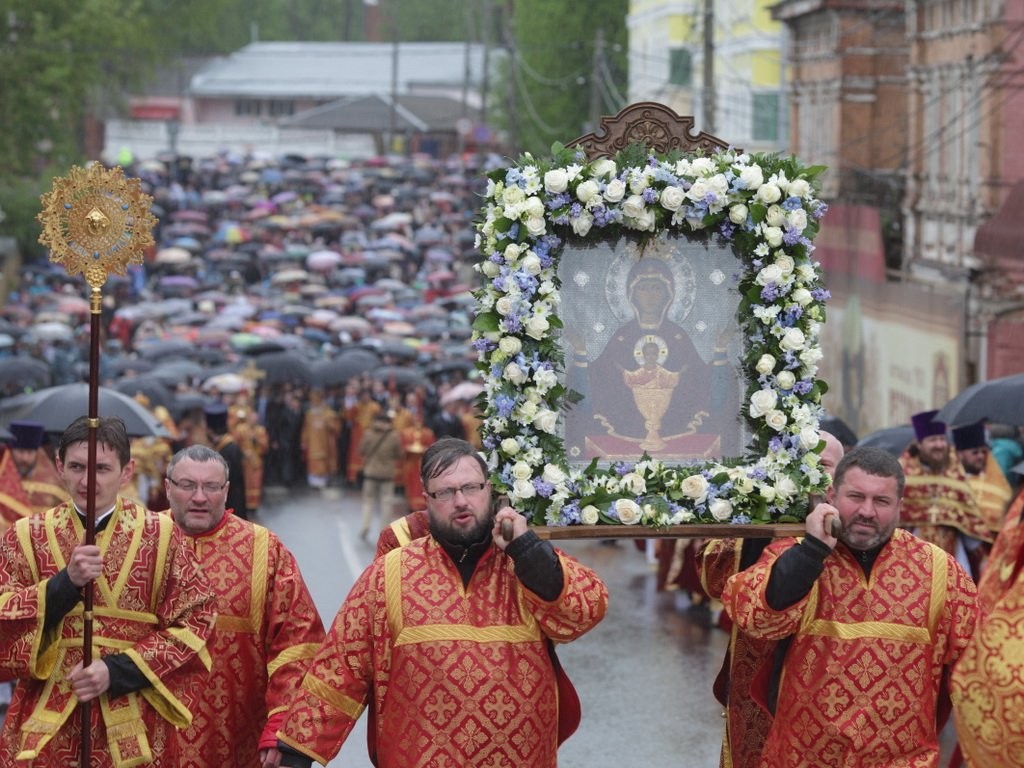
(878,618)
(446,640)
(938,505)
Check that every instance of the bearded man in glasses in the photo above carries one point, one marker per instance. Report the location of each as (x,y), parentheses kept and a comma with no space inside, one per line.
(267,625)
(447,639)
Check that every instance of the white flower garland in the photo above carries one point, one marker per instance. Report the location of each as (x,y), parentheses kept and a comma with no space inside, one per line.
(766,206)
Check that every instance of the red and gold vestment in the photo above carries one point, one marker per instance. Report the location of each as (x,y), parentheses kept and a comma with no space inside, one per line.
(944,502)
(43,485)
(151,603)
(987,681)
(415,440)
(402,531)
(862,678)
(746,720)
(266,633)
(14,501)
(453,676)
(992,493)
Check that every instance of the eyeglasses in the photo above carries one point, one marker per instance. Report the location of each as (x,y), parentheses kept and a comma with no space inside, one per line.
(188,486)
(444,494)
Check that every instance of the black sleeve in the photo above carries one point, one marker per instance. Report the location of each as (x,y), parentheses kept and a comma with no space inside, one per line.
(795,572)
(125,677)
(537,565)
(291,758)
(61,597)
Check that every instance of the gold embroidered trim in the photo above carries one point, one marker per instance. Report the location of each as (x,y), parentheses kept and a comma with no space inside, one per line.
(258,593)
(402,532)
(288,655)
(431,633)
(329,694)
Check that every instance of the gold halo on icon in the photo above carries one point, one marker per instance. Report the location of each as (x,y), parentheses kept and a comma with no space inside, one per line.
(96,222)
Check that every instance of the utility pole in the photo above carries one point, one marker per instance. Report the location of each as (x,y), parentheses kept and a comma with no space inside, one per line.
(709,66)
(595,87)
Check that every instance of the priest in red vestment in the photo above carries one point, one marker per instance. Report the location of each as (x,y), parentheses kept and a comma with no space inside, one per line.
(152,613)
(39,477)
(877,618)
(267,625)
(446,640)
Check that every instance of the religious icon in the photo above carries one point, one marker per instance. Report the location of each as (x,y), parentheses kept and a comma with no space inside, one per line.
(661,379)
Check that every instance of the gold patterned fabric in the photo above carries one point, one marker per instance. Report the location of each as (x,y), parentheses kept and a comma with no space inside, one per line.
(452,676)
(747,720)
(992,493)
(944,502)
(266,634)
(151,603)
(987,683)
(862,678)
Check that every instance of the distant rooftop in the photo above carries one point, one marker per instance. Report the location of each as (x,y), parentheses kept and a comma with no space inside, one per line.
(334,70)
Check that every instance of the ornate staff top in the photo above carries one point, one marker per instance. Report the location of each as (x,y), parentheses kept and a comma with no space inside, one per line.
(95,222)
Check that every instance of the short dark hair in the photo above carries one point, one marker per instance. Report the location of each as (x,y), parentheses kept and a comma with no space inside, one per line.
(200,453)
(446,452)
(110,432)
(873,461)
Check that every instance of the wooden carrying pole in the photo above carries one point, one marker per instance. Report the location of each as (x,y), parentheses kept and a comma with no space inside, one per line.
(95,222)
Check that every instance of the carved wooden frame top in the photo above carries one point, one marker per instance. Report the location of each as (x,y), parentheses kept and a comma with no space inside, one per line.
(649,123)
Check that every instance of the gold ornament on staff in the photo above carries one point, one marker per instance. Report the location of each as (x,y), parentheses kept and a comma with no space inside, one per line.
(95,223)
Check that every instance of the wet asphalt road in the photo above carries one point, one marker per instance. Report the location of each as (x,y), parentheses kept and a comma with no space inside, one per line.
(644,674)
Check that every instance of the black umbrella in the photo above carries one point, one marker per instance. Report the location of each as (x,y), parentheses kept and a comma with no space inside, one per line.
(892,439)
(998,400)
(178,371)
(153,349)
(56,407)
(17,373)
(154,389)
(403,376)
(347,365)
(839,429)
(184,402)
(282,367)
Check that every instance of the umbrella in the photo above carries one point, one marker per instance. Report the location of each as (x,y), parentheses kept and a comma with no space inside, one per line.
(464,390)
(998,400)
(188,401)
(56,407)
(287,366)
(154,348)
(891,439)
(400,375)
(323,261)
(228,383)
(289,276)
(20,373)
(173,255)
(838,429)
(174,372)
(51,332)
(347,365)
(155,390)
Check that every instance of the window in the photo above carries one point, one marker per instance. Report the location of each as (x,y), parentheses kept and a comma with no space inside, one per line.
(281,108)
(250,107)
(680,66)
(766,117)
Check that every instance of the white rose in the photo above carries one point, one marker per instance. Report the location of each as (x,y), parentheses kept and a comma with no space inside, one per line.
(586,191)
(556,181)
(581,224)
(768,493)
(522,471)
(811,356)
(772,236)
(534,207)
(776,217)
(672,198)
(628,511)
(721,510)
(743,485)
(768,194)
(763,401)
(503,306)
(752,177)
(589,515)
(490,269)
(801,296)
(633,206)
(809,438)
(604,166)
(766,364)
(738,214)
(553,474)
(645,221)
(531,263)
(797,219)
(513,196)
(785,379)
(805,272)
(510,446)
(799,188)
(695,487)
(776,420)
(545,378)
(702,166)
(527,411)
(536,226)
(784,262)
(536,327)
(510,345)
(515,374)
(615,190)
(769,274)
(523,489)
(793,340)
(546,420)
(638,182)
(634,483)
(785,487)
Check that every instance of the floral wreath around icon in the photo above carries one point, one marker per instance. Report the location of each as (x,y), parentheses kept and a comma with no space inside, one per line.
(766,208)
